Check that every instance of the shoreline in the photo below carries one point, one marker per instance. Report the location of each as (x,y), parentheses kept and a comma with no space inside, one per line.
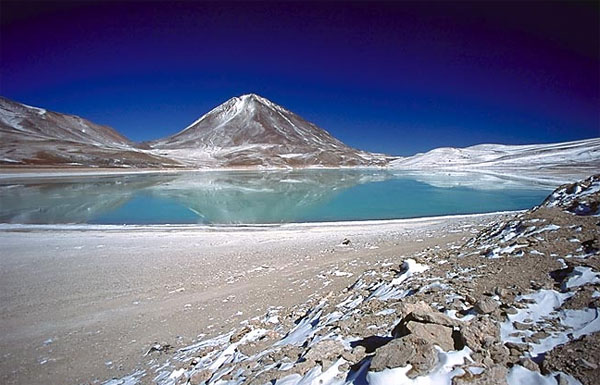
(549,176)
(20,227)
(59,172)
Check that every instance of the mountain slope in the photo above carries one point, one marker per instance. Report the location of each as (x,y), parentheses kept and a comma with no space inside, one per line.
(578,158)
(252,131)
(35,136)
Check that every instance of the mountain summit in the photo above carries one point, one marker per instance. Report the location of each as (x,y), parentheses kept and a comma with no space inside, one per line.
(250,130)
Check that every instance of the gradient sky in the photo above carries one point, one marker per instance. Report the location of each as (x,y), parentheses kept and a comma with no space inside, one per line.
(398,78)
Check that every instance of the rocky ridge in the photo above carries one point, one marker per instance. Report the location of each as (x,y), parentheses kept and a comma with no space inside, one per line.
(518,303)
(34,136)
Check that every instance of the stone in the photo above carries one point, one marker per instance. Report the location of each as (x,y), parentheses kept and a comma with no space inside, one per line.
(356,355)
(324,351)
(436,334)
(403,351)
(529,364)
(494,375)
(200,376)
(236,337)
(422,312)
(195,361)
(486,305)
(499,353)
(476,333)
(586,364)
(477,356)
(517,346)
(501,292)
(510,310)
(521,326)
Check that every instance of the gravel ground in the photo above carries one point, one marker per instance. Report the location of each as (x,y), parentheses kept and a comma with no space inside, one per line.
(84,306)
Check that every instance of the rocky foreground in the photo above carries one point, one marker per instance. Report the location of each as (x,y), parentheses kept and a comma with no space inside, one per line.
(517,304)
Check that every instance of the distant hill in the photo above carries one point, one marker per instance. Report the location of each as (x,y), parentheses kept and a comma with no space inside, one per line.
(35,136)
(579,158)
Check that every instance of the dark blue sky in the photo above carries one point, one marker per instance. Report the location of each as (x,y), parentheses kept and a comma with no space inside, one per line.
(389,77)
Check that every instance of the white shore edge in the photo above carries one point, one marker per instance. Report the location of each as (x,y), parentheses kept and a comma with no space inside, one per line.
(243,227)
(127,171)
(542,176)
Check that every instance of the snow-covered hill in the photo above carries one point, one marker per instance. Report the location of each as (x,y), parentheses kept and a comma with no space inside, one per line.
(35,136)
(252,131)
(579,157)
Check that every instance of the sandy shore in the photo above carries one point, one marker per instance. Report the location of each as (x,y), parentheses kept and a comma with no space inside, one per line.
(84,305)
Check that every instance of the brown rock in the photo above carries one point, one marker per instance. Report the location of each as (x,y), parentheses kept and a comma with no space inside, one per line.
(200,376)
(477,332)
(422,312)
(529,364)
(521,326)
(403,351)
(236,337)
(325,350)
(356,355)
(501,292)
(587,364)
(494,375)
(435,334)
(486,305)
(499,353)
(510,310)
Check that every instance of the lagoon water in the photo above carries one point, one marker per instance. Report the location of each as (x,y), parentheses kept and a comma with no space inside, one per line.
(260,197)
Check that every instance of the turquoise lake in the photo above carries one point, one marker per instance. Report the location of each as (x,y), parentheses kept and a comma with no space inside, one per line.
(260,197)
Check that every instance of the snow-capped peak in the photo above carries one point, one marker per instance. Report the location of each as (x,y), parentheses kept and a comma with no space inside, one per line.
(252,125)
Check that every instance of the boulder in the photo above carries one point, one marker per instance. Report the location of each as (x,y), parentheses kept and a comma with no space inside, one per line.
(435,334)
(356,355)
(324,352)
(486,305)
(495,375)
(200,376)
(529,364)
(475,334)
(400,352)
(422,312)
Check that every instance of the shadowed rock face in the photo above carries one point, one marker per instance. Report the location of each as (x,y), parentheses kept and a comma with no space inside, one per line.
(252,131)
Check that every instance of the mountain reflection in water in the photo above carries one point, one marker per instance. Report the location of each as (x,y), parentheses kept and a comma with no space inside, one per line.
(248,197)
